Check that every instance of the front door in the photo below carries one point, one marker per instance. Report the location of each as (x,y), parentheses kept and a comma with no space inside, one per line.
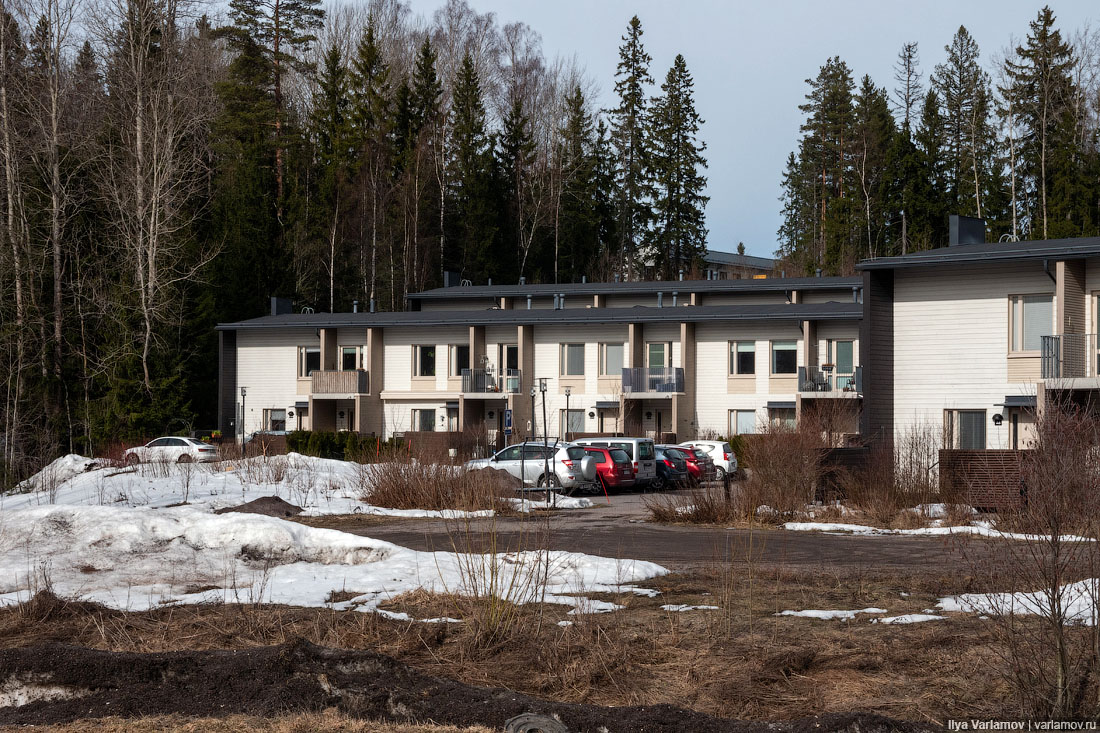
(452,419)
(844,359)
(343,418)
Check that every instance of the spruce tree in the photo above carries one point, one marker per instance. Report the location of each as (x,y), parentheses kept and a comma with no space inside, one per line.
(628,133)
(678,238)
(577,226)
(909,90)
(930,215)
(517,156)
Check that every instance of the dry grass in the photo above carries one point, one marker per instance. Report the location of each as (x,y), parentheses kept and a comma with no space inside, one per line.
(414,485)
(707,504)
(326,722)
(742,661)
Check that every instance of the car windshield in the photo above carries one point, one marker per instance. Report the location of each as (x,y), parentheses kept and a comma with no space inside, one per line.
(619,455)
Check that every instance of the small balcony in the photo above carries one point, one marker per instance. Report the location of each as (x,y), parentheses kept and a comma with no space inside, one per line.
(823,382)
(488,382)
(338,383)
(648,380)
(1069,356)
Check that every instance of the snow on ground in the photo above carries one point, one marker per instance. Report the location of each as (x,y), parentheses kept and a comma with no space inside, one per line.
(829,615)
(909,618)
(1078,599)
(679,607)
(982,529)
(318,485)
(137,558)
(558,502)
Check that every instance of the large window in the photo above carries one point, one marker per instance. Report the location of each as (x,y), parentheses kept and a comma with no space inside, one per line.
(351,358)
(965,429)
(742,422)
(275,420)
(423,420)
(459,359)
(309,360)
(572,360)
(742,357)
(845,357)
(784,357)
(1032,318)
(611,360)
(423,361)
(509,356)
(659,354)
(572,421)
(784,417)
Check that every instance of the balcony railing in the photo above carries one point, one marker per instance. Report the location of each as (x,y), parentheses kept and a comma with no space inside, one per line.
(653,379)
(487,381)
(333,382)
(816,379)
(1069,356)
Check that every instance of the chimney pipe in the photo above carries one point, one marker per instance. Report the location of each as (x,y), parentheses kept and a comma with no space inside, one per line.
(819,272)
(528,302)
(584,278)
(355,306)
(660,299)
(966,230)
(681,273)
(675,295)
(372,305)
(555,301)
(616,277)
(522,280)
(561,301)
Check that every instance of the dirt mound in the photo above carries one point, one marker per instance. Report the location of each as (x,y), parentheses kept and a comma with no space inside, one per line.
(269,506)
(302,677)
(498,479)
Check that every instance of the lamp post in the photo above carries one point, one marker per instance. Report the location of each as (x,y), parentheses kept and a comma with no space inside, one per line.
(568,391)
(244,391)
(545,442)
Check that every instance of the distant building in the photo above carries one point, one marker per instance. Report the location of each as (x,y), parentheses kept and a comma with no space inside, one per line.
(732,266)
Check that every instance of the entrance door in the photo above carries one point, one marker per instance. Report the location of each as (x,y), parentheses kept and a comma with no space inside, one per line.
(452,419)
(844,359)
(343,418)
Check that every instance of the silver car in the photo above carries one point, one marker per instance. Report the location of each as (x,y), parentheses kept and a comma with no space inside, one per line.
(171,450)
(571,469)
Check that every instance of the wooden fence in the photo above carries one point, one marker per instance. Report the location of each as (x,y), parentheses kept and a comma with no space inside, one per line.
(984,479)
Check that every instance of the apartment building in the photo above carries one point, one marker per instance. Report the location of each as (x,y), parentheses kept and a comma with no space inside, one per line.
(971,340)
(672,359)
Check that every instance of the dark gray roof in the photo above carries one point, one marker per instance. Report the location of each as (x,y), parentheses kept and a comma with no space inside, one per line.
(1060,249)
(732,258)
(640,314)
(625,288)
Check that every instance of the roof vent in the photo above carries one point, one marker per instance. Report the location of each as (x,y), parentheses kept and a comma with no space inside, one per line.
(522,280)
(966,230)
(355,306)
(616,277)
(528,301)
(561,300)
(281,306)
(584,278)
(675,295)
(555,301)
(660,299)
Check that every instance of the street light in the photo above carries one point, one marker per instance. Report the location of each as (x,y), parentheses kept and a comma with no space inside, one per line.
(244,391)
(545,442)
(568,391)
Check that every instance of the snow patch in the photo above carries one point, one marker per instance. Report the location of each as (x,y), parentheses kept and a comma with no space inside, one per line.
(679,607)
(558,502)
(981,529)
(909,618)
(1078,601)
(15,692)
(829,615)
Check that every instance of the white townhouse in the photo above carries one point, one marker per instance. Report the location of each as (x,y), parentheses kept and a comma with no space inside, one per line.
(973,338)
(670,359)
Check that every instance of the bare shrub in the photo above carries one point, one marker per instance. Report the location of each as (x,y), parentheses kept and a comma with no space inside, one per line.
(701,505)
(895,478)
(432,486)
(1053,665)
(786,465)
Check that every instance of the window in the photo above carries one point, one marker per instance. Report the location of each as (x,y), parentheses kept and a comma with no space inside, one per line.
(845,357)
(659,355)
(1032,318)
(572,360)
(423,420)
(275,419)
(509,356)
(572,421)
(309,360)
(351,358)
(742,357)
(423,361)
(784,357)
(742,422)
(509,454)
(611,360)
(459,358)
(965,429)
(599,455)
(782,416)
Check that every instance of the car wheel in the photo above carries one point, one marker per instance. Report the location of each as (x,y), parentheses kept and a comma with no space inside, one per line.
(659,484)
(719,473)
(185,458)
(131,459)
(553,483)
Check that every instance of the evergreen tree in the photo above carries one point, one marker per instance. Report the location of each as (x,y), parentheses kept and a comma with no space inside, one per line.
(603,185)
(679,237)
(577,227)
(909,90)
(517,156)
(930,214)
(874,134)
(628,133)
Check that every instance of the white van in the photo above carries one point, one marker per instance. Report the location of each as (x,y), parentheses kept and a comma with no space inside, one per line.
(640,450)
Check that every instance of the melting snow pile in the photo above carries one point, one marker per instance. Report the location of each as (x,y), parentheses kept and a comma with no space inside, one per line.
(1079,600)
(139,558)
(982,529)
(909,618)
(318,485)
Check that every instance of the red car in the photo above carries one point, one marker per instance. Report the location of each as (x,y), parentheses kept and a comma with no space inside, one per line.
(613,467)
(699,464)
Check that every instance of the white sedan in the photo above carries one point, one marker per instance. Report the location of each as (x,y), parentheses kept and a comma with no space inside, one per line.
(171,450)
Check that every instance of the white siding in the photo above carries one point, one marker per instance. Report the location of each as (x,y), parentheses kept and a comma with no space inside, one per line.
(398,415)
(399,355)
(267,367)
(951,341)
(548,340)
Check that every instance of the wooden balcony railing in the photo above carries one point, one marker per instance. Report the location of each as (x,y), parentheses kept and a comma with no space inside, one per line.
(350,382)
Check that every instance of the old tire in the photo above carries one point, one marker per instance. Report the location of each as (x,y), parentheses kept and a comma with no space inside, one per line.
(534,723)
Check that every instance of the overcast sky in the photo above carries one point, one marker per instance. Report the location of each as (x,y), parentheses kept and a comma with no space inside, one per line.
(750,62)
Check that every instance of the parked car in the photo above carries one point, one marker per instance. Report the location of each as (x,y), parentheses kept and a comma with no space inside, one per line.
(725,462)
(640,451)
(700,466)
(571,469)
(672,470)
(614,469)
(171,450)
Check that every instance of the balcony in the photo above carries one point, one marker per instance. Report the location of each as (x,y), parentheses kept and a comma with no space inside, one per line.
(488,382)
(1069,356)
(648,380)
(339,384)
(822,382)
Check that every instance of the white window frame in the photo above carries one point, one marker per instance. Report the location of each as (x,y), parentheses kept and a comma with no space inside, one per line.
(733,370)
(1016,325)
(303,352)
(563,359)
(771,354)
(732,419)
(358,357)
(417,419)
(416,361)
(454,369)
(603,359)
(269,413)
(668,354)
(951,427)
